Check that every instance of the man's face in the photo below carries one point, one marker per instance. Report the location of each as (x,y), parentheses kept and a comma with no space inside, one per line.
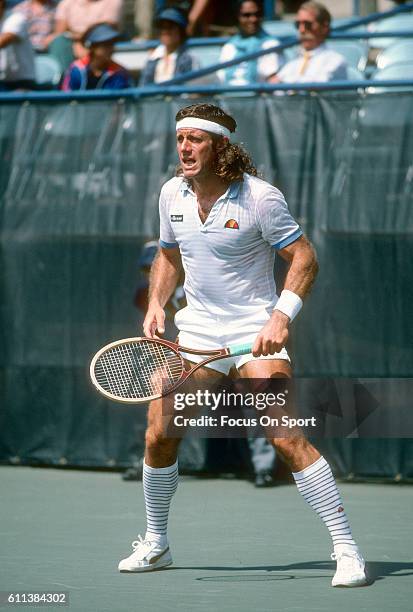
(170,34)
(312,33)
(249,18)
(196,152)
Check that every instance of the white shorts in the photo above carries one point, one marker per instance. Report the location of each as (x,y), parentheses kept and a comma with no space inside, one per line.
(207,332)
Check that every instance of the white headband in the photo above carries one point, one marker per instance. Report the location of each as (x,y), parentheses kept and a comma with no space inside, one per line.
(203,124)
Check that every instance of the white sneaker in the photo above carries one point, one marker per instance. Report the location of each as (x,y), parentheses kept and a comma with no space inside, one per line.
(351,569)
(147,556)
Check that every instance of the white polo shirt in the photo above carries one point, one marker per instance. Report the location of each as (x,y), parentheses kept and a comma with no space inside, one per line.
(324,65)
(228,260)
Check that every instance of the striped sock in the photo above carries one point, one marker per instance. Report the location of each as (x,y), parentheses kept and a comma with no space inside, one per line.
(317,485)
(159,485)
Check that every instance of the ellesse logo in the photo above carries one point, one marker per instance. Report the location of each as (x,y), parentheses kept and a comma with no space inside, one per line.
(232,224)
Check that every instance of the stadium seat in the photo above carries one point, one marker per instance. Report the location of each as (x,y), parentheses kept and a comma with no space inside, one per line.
(207,55)
(48,72)
(344,21)
(398,23)
(355,52)
(401,70)
(280,29)
(354,74)
(131,56)
(401,51)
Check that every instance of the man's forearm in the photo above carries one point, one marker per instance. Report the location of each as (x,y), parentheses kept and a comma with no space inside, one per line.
(163,278)
(302,271)
(299,280)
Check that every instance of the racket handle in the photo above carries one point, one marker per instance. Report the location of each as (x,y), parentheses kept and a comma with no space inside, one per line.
(240,349)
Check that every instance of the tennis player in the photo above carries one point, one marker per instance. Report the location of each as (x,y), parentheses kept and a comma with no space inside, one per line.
(224,225)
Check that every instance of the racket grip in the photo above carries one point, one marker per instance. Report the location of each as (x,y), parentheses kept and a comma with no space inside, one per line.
(240,349)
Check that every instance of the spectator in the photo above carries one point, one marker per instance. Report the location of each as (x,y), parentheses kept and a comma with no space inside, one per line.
(316,62)
(97,70)
(74,18)
(171,57)
(251,37)
(40,15)
(17,69)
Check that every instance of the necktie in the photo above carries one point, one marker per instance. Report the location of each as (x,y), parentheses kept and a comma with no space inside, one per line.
(304,62)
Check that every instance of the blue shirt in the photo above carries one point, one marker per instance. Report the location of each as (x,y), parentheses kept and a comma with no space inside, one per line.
(254,70)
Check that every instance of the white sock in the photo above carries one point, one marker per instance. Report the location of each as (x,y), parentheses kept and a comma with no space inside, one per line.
(317,485)
(159,485)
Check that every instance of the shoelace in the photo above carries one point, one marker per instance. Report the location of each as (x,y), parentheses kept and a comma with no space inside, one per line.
(141,542)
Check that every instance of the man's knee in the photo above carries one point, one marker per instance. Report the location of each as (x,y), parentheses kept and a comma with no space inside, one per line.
(156,440)
(293,447)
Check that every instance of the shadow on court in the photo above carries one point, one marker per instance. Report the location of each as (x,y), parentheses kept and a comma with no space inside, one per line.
(377,570)
(235,548)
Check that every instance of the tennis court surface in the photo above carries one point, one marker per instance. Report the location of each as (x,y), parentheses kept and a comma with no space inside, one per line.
(235,548)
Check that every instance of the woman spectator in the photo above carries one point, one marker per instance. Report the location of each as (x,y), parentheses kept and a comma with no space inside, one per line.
(250,38)
(171,57)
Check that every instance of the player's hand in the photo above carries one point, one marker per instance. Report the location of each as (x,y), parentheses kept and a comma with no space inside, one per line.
(273,336)
(154,321)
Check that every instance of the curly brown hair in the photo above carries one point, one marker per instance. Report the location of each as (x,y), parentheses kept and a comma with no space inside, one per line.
(231,159)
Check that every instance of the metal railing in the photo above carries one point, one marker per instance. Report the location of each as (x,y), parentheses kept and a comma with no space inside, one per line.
(174,86)
(136,93)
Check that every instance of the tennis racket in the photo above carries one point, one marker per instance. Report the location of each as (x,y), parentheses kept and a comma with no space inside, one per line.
(136,370)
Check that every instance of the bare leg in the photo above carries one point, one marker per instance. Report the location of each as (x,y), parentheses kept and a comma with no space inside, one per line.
(160,468)
(295,451)
(160,480)
(161,451)
(316,484)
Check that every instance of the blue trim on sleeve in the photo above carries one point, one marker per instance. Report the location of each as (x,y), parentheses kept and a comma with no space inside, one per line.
(291,238)
(168,245)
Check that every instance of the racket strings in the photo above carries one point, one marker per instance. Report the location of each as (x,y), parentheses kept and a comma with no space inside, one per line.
(138,370)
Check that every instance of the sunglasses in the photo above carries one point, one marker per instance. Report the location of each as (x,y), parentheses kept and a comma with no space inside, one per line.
(308,25)
(247,15)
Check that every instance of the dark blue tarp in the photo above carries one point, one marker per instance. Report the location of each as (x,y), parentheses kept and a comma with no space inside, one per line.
(79,184)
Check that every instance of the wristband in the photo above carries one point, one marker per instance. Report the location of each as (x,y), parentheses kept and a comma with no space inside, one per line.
(289,303)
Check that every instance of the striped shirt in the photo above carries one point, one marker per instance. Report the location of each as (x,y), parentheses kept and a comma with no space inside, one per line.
(229,259)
